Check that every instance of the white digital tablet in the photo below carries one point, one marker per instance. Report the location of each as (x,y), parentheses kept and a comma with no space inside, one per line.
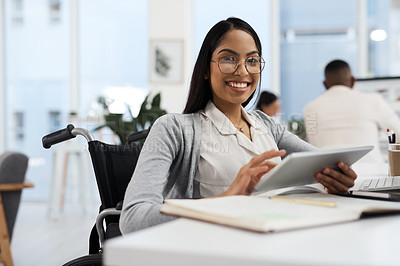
(299,168)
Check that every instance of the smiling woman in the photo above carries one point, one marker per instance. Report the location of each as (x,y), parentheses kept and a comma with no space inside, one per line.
(231,82)
(182,155)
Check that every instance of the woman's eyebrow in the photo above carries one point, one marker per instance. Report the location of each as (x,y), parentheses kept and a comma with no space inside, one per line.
(253,52)
(236,53)
(228,50)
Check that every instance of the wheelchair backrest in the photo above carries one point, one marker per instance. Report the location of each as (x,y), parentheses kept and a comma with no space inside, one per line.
(113,166)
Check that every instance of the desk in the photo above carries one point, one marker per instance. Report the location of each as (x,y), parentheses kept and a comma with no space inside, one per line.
(185,242)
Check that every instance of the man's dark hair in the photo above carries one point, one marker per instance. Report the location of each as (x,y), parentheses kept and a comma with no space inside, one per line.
(338,72)
(200,89)
(336,65)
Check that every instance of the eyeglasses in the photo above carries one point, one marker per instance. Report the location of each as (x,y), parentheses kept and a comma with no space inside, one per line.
(229,64)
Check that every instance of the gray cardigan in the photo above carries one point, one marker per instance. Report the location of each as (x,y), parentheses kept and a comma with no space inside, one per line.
(168,163)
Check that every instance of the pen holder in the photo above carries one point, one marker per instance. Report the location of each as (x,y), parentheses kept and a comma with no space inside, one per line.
(394,159)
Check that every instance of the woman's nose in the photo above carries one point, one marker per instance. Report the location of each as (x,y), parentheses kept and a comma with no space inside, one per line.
(241,69)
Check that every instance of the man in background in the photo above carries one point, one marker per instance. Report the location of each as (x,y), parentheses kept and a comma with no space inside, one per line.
(342,117)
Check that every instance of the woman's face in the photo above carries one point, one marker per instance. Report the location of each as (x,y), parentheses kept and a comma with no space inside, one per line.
(237,87)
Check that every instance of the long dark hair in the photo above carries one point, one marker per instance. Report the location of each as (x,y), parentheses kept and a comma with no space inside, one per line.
(200,90)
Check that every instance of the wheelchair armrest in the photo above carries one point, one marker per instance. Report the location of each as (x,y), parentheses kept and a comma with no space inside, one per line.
(100,222)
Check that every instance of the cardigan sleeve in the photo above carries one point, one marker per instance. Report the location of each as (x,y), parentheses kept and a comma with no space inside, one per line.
(144,194)
(165,169)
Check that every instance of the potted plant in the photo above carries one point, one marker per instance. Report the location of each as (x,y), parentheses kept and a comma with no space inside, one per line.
(296,126)
(148,113)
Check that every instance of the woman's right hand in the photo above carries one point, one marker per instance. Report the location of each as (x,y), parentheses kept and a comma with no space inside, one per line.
(250,174)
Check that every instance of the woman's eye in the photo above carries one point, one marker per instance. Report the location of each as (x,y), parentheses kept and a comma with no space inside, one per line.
(253,61)
(228,59)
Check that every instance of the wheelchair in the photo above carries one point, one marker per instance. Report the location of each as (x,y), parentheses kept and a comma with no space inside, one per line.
(113,167)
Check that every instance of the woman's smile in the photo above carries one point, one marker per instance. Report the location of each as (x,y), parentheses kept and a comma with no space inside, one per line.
(238,86)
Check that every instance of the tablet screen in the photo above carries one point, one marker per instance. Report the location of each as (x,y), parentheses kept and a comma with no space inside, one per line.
(299,168)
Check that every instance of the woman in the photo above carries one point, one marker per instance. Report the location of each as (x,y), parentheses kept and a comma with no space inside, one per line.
(269,103)
(215,148)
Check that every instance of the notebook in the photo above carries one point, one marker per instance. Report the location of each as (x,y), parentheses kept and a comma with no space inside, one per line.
(276,214)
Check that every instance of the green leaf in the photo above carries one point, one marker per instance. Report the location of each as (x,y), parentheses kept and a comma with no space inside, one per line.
(144,119)
(156,101)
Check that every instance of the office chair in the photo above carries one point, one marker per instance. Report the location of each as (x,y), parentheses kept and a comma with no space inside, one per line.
(113,167)
(13,166)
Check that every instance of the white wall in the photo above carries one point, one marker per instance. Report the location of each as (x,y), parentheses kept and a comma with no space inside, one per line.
(172,20)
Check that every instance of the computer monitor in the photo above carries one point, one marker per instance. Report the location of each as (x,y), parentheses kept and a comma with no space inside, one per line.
(388,87)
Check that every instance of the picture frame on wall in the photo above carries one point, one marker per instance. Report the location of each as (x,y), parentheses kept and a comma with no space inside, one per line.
(166,61)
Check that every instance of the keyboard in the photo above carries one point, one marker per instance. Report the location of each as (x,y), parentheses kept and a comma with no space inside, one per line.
(382,183)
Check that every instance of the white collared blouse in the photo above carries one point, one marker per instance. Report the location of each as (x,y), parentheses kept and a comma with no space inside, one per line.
(224,150)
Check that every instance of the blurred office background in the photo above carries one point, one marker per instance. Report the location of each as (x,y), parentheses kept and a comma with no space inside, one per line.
(59,56)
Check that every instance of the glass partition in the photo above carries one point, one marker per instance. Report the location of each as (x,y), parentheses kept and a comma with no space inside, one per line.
(313,33)
(113,47)
(383,18)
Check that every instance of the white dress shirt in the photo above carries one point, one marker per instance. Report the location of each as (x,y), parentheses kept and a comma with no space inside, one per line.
(224,150)
(343,117)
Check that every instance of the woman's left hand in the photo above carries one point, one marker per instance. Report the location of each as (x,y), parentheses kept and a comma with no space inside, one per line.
(337,181)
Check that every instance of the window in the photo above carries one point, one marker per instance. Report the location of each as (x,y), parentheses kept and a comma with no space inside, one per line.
(54,121)
(113,49)
(18,126)
(384,37)
(112,45)
(313,33)
(54,11)
(17,17)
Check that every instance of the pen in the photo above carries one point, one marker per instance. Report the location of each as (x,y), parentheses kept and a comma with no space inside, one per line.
(329,204)
(391,136)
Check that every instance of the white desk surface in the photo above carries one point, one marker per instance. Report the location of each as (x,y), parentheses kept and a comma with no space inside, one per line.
(183,242)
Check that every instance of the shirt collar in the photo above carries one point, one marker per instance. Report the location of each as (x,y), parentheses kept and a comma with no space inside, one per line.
(339,88)
(221,122)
